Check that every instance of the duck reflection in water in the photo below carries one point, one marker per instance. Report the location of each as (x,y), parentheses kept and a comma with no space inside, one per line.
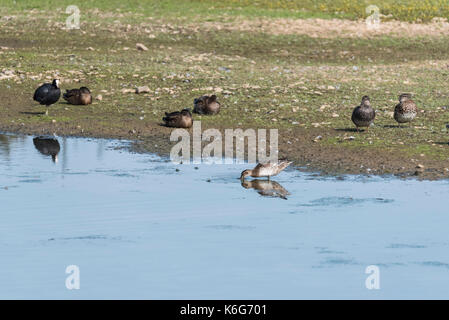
(48,146)
(266,188)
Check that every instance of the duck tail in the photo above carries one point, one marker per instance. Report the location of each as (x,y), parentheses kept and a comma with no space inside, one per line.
(284,164)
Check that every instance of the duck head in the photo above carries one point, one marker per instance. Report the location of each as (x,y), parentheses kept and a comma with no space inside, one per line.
(366,101)
(55,83)
(212,98)
(200,102)
(186,112)
(405,97)
(84,90)
(204,101)
(244,174)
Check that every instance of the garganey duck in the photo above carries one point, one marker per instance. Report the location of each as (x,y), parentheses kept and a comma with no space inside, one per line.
(406,110)
(206,105)
(364,114)
(178,119)
(78,96)
(265,169)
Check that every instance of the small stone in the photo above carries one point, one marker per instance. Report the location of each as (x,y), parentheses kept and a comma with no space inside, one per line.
(99,97)
(141,47)
(143,89)
(127,90)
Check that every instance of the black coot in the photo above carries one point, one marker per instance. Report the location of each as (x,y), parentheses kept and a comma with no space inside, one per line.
(48,93)
(48,146)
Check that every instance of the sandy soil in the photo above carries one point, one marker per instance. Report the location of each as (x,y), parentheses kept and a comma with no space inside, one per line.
(333,28)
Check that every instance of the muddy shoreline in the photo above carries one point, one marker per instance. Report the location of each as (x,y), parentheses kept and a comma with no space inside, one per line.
(306,86)
(299,146)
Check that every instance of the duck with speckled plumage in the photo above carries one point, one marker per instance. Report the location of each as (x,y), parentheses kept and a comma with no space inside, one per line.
(406,110)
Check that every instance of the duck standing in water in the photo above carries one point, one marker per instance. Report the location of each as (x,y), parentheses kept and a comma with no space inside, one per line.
(363,115)
(206,105)
(265,170)
(48,146)
(178,119)
(47,94)
(81,96)
(406,110)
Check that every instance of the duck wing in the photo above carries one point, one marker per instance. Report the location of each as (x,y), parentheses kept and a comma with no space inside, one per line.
(41,92)
(72,96)
(172,116)
(171,119)
(363,114)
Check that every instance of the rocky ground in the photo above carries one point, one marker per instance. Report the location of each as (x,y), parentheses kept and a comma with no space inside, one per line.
(303,77)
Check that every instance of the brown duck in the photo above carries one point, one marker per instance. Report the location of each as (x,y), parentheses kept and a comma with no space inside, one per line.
(364,114)
(206,105)
(78,96)
(265,169)
(266,188)
(406,110)
(178,119)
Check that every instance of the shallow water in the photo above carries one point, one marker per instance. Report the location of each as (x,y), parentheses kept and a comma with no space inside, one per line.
(137,228)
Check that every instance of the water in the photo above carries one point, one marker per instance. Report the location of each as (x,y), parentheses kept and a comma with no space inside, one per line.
(137,228)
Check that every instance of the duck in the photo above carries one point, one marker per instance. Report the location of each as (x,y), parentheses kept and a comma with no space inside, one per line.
(48,146)
(48,94)
(206,105)
(406,110)
(268,169)
(178,119)
(364,114)
(81,96)
(266,188)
